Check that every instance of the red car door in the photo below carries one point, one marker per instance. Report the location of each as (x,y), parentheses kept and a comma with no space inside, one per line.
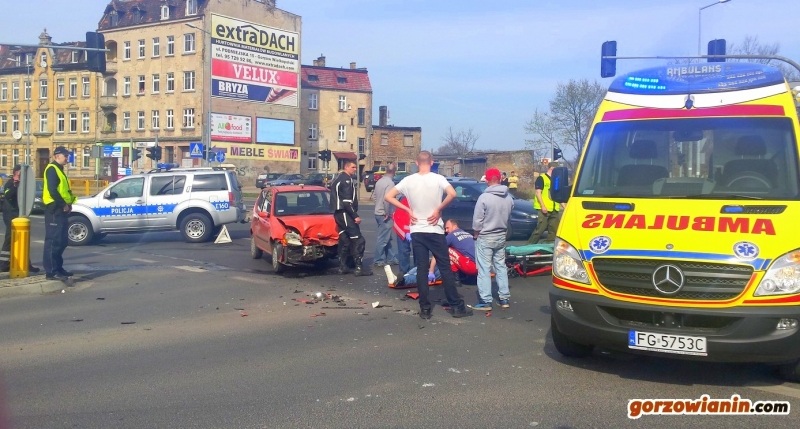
(261,221)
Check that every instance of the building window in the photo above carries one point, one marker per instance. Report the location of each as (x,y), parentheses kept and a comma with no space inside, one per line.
(126,50)
(188,43)
(342,102)
(191,7)
(384,139)
(362,116)
(141,85)
(43,122)
(156,83)
(188,81)
(170,82)
(126,85)
(188,118)
(362,145)
(408,140)
(86,157)
(114,18)
(59,122)
(43,88)
(85,122)
(170,119)
(3,91)
(401,166)
(14,122)
(164,12)
(312,131)
(15,157)
(73,122)
(3,124)
(155,124)
(73,87)
(140,120)
(14,91)
(170,46)
(313,78)
(27,118)
(341,80)
(312,161)
(156,46)
(60,88)
(312,101)
(126,121)
(27,90)
(86,87)
(141,48)
(4,159)
(342,133)
(74,57)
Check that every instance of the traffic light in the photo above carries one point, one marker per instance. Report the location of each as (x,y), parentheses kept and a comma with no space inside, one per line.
(96,59)
(135,155)
(608,66)
(154,153)
(716,47)
(557,154)
(362,156)
(325,155)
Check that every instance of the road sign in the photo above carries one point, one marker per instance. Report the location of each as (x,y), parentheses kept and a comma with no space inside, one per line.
(108,151)
(71,157)
(195,150)
(17,134)
(27,190)
(220,156)
(212,157)
(223,236)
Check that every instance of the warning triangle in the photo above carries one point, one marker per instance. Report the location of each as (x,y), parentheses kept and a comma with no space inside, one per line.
(196,150)
(223,236)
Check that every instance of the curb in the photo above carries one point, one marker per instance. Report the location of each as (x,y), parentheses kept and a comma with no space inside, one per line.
(33,285)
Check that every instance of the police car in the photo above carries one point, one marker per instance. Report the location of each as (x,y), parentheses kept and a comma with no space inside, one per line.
(195,201)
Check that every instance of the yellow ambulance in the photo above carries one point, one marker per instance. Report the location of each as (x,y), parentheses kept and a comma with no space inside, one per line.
(681,236)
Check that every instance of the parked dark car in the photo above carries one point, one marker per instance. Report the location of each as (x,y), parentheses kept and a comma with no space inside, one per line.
(263,178)
(400,176)
(314,179)
(523,216)
(372,176)
(286,179)
(38,205)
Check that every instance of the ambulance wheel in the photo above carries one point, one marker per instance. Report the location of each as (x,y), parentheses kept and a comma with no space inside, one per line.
(79,231)
(566,346)
(790,371)
(255,252)
(276,260)
(196,228)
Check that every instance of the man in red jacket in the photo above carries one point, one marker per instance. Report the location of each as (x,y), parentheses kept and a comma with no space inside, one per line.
(402,227)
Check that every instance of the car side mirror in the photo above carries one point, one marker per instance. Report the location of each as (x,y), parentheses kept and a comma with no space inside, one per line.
(110,195)
(559,185)
(263,215)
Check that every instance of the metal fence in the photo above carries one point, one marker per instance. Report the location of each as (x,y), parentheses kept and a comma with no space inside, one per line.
(86,187)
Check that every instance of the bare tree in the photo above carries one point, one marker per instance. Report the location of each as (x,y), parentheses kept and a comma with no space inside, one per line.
(566,125)
(751,46)
(459,142)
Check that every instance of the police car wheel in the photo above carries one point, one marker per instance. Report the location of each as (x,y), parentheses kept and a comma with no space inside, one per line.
(79,231)
(255,252)
(196,228)
(276,261)
(566,346)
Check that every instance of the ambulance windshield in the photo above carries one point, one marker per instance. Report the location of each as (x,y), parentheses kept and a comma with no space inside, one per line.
(743,157)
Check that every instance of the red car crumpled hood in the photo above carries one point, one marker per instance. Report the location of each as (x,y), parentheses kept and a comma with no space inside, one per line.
(314,229)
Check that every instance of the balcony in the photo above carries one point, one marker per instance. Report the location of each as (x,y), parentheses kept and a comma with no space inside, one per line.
(111,67)
(108,102)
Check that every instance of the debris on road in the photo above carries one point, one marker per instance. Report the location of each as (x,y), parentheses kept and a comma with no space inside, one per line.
(128,323)
(343,308)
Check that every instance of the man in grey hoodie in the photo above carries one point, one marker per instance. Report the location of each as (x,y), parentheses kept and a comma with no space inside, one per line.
(490,222)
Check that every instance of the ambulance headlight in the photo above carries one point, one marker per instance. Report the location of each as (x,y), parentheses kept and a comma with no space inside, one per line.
(782,277)
(567,262)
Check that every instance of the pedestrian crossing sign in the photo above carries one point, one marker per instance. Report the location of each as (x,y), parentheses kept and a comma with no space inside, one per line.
(195,150)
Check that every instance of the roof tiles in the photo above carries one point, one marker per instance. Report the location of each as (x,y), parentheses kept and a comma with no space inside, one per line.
(337,79)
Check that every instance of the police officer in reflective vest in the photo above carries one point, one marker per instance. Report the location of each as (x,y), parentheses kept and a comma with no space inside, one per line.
(548,209)
(344,202)
(10,212)
(58,199)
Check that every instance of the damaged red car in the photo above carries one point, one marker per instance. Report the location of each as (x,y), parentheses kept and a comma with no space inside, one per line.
(294,225)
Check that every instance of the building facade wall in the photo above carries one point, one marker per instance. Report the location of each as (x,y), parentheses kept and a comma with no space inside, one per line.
(391,144)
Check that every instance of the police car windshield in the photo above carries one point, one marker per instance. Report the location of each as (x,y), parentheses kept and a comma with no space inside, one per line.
(692,158)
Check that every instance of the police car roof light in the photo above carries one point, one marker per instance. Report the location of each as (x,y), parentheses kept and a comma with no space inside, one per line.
(697,78)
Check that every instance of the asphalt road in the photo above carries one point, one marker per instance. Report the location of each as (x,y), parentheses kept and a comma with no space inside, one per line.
(160,334)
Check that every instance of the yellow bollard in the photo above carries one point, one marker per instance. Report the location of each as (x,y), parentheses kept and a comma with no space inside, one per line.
(86,187)
(20,247)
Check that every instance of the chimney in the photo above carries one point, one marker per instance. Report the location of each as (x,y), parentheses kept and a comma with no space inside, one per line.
(352,66)
(383,116)
(320,62)
(44,38)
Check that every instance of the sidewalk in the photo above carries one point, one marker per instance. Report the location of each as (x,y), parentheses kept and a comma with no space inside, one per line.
(31,285)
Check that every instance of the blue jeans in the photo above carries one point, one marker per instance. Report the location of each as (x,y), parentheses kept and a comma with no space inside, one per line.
(404,255)
(410,277)
(383,246)
(491,252)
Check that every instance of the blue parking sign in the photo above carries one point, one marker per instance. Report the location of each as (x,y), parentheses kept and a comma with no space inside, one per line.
(220,156)
(71,157)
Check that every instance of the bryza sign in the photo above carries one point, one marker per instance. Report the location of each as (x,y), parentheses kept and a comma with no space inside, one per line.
(252,62)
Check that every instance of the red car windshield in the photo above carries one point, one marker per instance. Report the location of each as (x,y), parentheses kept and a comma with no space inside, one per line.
(302,203)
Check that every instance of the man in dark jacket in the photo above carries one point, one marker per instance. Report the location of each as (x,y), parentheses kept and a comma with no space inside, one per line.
(10,212)
(344,202)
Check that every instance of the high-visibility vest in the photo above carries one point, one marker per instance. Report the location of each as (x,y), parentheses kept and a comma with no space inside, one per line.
(63,187)
(548,202)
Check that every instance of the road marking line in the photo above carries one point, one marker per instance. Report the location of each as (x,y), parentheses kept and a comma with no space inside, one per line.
(245,279)
(38,241)
(143,260)
(781,389)
(191,269)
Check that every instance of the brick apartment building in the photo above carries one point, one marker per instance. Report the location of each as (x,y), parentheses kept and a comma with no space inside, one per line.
(394,144)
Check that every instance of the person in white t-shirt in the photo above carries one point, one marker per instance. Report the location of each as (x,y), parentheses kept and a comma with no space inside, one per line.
(424,190)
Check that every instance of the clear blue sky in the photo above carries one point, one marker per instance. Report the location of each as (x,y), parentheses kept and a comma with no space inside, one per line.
(470,63)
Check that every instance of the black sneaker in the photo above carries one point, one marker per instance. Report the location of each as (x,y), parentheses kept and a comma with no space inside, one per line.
(64,272)
(461,311)
(33,269)
(56,276)
(425,313)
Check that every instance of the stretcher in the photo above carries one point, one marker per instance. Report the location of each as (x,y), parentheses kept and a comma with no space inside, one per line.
(529,260)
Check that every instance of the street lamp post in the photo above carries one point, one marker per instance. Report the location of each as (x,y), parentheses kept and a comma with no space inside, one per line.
(207,48)
(700,23)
